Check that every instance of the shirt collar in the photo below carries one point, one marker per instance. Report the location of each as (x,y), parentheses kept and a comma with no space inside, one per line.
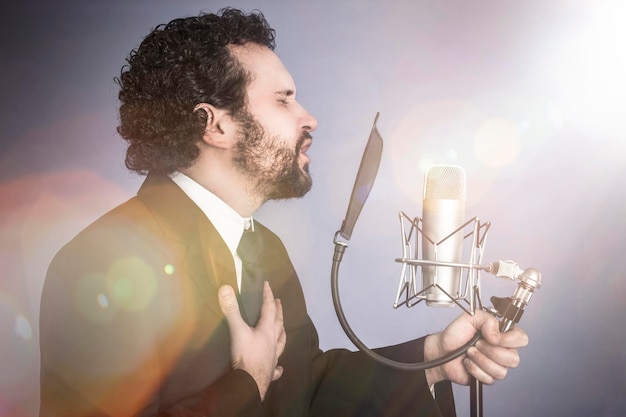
(229,224)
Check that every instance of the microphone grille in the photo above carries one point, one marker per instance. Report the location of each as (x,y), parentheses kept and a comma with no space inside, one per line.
(444,182)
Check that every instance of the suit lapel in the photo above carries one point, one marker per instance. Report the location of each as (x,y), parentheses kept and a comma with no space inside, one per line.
(205,256)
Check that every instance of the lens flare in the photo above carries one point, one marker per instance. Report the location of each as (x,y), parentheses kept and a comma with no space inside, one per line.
(17,350)
(432,133)
(103,300)
(131,283)
(497,142)
(23,328)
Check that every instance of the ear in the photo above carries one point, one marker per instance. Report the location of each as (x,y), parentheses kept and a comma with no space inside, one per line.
(220,128)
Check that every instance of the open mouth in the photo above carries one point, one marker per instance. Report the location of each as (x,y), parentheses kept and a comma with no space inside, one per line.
(305,143)
(305,147)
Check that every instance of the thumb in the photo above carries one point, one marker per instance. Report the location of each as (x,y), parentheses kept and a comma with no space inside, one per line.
(489,327)
(229,305)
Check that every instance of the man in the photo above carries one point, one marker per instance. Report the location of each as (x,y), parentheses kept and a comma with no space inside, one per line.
(144,313)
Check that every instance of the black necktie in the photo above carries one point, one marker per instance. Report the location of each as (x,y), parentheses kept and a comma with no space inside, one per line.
(249,250)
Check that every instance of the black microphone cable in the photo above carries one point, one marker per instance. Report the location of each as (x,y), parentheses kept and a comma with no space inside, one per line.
(340,248)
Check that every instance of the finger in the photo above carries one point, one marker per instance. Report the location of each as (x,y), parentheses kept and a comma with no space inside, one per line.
(278,372)
(268,308)
(281,342)
(278,320)
(482,368)
(514,338)
(480,375)
(281,335)
(502,356)
(490,329)
(229,306)
(484,322)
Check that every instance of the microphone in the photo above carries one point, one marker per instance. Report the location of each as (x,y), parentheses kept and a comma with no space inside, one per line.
(443,215)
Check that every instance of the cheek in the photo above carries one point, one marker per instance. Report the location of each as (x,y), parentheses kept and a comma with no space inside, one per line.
(279,122)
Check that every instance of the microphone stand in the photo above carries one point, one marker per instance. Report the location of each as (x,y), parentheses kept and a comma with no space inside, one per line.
(476,398)
(360,191)
(510,308)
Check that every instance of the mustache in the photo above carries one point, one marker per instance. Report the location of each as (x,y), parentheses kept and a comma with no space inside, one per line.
(301,139)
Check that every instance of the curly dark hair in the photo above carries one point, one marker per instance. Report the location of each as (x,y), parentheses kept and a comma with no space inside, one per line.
(177,66)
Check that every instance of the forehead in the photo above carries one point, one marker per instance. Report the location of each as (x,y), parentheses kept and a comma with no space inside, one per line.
(267,71)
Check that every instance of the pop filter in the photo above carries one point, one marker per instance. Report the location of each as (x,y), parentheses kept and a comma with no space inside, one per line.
(510,309)
(362,186)
(364,180)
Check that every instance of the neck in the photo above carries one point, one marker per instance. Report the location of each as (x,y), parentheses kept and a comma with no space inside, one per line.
(223,180)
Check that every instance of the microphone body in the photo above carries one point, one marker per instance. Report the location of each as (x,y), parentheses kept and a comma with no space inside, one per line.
(443,213)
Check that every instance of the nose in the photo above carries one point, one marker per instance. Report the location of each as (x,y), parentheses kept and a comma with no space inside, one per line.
(309,122)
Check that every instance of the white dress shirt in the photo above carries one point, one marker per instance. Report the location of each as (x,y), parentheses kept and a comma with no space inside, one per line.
(229,224)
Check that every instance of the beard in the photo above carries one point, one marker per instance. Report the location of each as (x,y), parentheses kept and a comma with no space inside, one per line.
(271,166)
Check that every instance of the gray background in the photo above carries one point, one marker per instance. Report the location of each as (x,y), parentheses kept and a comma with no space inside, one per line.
(528,96)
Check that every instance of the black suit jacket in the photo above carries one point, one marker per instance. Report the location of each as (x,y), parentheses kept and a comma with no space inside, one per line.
(130,326)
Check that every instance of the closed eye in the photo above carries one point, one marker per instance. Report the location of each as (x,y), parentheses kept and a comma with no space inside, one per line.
(284,96)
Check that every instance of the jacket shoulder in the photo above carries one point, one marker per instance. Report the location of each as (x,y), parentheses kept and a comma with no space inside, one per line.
(130,229)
